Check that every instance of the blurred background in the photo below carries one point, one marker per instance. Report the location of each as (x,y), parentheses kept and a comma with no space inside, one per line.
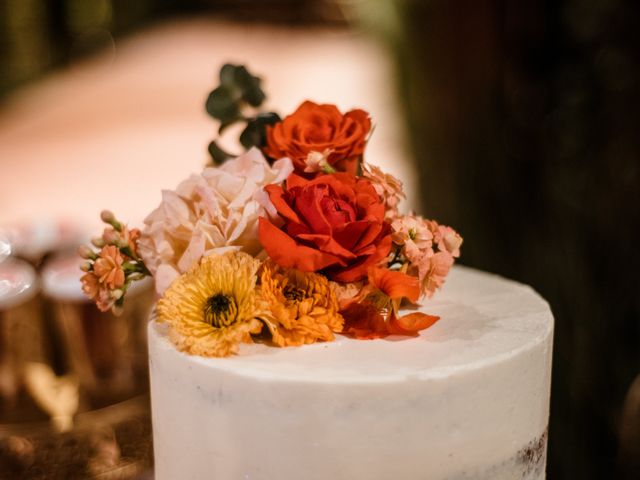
(516,121)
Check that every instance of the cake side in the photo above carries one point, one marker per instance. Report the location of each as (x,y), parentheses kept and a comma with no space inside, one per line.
(467,398)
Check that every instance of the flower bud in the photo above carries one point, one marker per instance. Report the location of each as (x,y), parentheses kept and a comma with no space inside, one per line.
(107,216)
(85,252)
(97,242)
(117,294)
(111,237)
(86,266)
(123,243)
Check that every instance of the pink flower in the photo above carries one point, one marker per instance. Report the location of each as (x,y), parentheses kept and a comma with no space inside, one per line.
(122,238)
(214,212)
(433,270)
(428,248)
(131,237)
(108,267)
(447,239)
(97,292)
(317,162)
(90,285)
(412,233)
(387,186)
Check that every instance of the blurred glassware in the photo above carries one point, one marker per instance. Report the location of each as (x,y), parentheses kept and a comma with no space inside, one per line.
(73,381)
(22,336)
(33,241)
(5,246)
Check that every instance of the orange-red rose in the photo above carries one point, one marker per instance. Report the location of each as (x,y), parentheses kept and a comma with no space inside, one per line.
(334,223)
(321,129)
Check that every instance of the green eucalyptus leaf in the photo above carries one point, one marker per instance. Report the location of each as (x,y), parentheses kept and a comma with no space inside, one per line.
(250,136)
(250,86)
(218,155)
(222,105)
(255,134)
(254,96)
(228,74)
(224,125)
(244,79)
(237,86)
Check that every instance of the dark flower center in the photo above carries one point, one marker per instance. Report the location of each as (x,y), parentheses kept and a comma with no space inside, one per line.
(220,310)
(293,293)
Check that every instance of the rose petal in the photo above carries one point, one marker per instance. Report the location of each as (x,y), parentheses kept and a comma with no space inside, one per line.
(411,323)
(327,244)
(277,195)
(287,253)
(363,321)
(308,205)
(358,270)
(396,285)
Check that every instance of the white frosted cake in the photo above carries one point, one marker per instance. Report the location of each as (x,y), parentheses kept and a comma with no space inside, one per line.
(466,399)
(280,349)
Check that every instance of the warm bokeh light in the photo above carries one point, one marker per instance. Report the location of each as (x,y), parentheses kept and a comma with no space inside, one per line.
(117,128)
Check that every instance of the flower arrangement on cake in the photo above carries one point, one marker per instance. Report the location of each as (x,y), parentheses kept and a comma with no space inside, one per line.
(292,241)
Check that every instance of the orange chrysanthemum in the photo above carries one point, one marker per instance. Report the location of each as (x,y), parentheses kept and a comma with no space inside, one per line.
(302,308)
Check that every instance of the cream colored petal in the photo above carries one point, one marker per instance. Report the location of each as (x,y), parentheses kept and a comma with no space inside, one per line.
(164,277)
(193,253)
(174,209)
(213,235)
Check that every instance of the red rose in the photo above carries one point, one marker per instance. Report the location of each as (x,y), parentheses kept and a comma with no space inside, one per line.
(334,223)
(320,128)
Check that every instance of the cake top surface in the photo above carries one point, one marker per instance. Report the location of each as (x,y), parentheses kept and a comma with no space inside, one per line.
(483,318)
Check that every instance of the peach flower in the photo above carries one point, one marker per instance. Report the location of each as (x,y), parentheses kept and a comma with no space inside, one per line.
(415,237)
(429,249)
(387,186)
(432,271)
(97,292)
(124,238)
(90,285)
(108,267)
(214,212)
(446,238)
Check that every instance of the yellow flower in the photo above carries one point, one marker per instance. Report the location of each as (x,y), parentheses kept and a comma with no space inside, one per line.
(213,307)
(301,307)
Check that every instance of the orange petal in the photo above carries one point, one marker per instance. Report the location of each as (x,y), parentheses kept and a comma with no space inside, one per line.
(411,323)
(361,117)
(359,270)
(287,253)
(295,180)
(349,165)
(396,285)
(327,244)
(363,321)
(276,194)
